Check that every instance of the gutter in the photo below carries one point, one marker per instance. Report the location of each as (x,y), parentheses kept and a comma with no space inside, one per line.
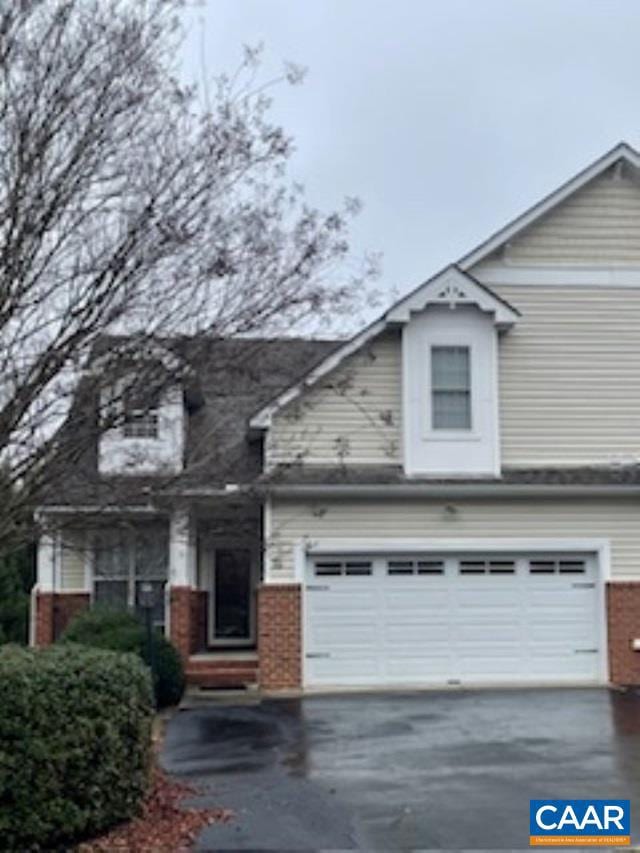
(451,490)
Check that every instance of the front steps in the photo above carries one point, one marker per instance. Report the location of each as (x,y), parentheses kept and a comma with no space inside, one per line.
(222,670)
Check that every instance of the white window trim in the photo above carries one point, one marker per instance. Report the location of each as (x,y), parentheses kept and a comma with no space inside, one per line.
(90,560)
(428,432)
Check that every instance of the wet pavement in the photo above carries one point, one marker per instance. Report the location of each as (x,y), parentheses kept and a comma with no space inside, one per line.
(450,770)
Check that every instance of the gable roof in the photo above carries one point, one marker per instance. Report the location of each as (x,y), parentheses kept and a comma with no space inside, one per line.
(621,152)
(450,287)
(455,276)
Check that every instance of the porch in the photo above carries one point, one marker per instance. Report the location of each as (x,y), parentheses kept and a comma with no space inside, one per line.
(201,565)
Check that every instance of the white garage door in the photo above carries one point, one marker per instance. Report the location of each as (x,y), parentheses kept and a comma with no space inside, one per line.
(468,619)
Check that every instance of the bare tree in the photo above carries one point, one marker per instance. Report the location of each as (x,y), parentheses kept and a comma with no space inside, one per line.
(127,206)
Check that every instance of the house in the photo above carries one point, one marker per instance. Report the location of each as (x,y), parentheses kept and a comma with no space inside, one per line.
(452,497)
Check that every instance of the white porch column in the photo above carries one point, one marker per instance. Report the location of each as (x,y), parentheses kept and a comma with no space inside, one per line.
(46,562)
(182,549)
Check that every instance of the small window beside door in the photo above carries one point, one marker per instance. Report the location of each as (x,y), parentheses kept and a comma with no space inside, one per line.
(450,388)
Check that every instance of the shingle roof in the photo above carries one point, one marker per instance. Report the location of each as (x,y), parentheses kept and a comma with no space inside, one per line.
(393,475)
(233,378)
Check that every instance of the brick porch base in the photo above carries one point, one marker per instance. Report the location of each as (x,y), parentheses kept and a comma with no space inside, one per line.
(54,611)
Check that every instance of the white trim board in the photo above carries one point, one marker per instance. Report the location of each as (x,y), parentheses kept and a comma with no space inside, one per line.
(356,545)
(531,275)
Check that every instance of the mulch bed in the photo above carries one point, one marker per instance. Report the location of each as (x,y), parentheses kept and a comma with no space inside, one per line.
(164,825)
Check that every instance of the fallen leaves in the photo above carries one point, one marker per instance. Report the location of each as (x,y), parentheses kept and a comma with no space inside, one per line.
(164,825)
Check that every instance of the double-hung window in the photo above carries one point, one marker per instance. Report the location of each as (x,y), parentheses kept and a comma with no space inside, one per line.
(123,560)
(140,414)
(450,388)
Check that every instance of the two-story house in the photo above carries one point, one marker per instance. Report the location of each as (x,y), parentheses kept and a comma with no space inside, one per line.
(450,497)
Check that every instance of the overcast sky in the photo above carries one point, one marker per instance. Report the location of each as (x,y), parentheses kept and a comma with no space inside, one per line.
(447,118)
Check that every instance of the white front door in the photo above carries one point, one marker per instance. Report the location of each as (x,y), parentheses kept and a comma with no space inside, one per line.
(442,619)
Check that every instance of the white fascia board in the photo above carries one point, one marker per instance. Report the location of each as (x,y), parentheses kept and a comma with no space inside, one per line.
(66,509)
(512,229)
(453,490)
(262,419)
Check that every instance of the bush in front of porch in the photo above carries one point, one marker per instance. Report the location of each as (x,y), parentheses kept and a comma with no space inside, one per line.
(120,631)
(75,743)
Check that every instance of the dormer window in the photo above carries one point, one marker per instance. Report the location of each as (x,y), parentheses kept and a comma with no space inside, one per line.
(140,415)
(450,388)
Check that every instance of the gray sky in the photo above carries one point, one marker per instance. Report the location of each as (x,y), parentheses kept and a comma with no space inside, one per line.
(446,118)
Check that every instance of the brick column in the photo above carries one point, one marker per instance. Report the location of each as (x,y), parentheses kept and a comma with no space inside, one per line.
(280,636)
(44,602)
(623,618)
(180,619)
(66,606)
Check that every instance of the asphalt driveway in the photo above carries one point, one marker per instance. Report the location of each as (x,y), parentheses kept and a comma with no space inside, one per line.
(404,771)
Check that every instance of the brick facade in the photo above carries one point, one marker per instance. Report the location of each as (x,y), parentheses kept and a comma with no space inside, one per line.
(280,636)
(623,620)
(199,604)
(180,619)
(66,607)
(44,619)
(54,611)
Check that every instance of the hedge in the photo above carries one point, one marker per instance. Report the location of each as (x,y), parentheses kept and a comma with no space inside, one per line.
(75,743)
(121,631)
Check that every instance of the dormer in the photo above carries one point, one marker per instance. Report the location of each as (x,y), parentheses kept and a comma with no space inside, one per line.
(450,331)
(145,415)
(148,438)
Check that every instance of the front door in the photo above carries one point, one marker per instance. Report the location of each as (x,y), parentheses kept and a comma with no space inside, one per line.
(231,614)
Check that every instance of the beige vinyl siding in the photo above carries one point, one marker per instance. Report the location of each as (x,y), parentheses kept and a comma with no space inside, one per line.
(616,519)
(351,416)
(598,224)
(570,376)
(72,560)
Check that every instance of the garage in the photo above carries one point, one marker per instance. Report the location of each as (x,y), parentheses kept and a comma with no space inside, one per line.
(452,619)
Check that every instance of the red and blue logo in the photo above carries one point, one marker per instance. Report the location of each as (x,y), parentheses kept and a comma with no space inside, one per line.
(579,823)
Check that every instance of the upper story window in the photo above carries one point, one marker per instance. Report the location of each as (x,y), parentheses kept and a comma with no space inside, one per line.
(140,415)
(450,388)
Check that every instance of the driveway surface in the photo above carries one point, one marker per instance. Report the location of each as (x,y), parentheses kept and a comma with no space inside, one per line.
(448,770)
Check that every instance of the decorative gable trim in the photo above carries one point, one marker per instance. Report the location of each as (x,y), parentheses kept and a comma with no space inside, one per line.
(453,288)
(621,153)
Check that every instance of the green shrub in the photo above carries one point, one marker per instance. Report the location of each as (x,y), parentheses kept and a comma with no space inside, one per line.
(75,743)
(123,632)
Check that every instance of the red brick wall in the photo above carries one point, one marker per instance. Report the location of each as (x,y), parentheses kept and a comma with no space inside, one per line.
(623,618)
(199,602)
(44,618)
(180,619)
(54,611)
(66,607)
(280,636)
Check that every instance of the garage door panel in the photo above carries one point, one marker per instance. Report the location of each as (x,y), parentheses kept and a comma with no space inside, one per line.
(325,637)
(425,599)
(417,633)
(474,619)
(488,632)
